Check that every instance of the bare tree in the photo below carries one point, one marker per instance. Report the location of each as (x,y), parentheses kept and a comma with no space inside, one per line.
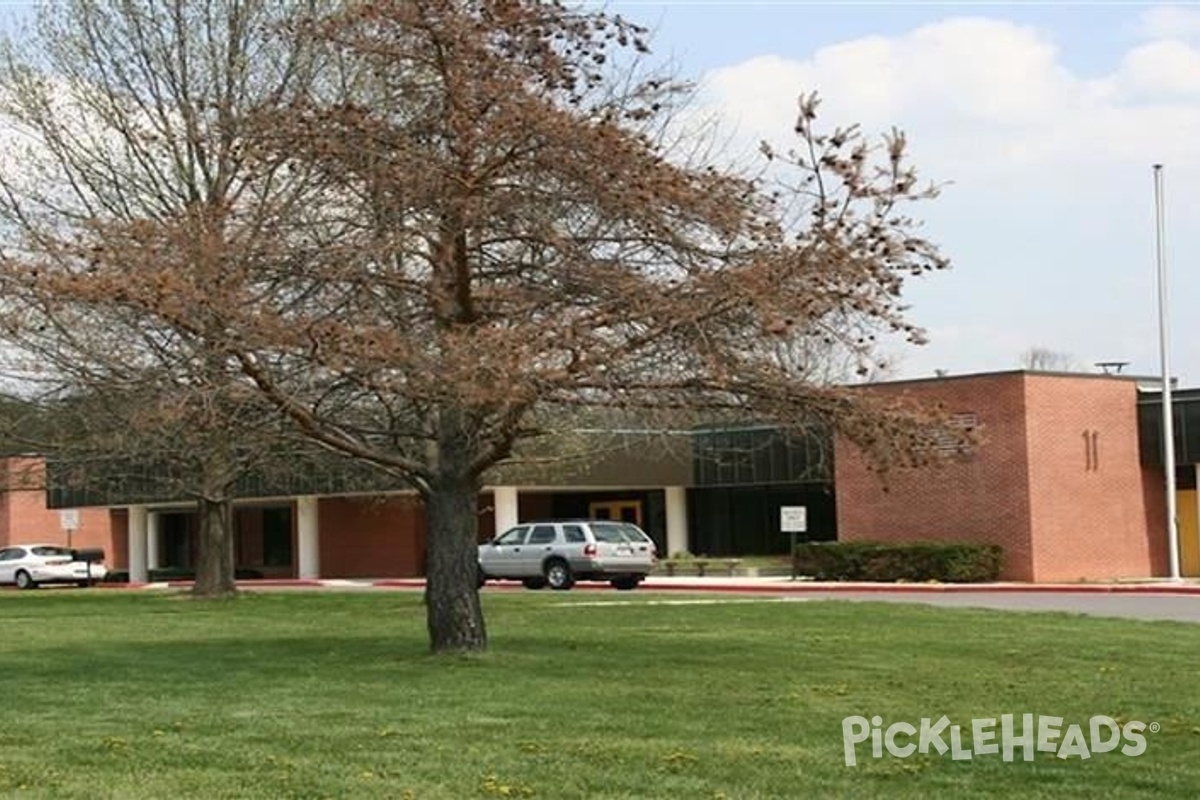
(151,439)
(498,250)
(1043,358)
(126,121)
(513,247)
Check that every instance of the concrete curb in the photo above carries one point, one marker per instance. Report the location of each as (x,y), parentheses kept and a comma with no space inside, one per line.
(725,585)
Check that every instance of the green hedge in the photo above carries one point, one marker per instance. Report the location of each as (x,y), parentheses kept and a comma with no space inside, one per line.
(916,561)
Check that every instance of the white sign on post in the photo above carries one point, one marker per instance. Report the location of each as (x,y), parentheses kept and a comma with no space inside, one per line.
(793,519)
(69,519)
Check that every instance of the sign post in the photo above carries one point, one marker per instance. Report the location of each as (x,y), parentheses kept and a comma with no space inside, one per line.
(793,520)
(68,519)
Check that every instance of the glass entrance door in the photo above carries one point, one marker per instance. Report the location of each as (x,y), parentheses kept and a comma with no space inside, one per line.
(623,510)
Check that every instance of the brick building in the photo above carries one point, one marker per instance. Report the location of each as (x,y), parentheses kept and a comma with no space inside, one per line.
(26,519)
(1058,479)
(1067,478)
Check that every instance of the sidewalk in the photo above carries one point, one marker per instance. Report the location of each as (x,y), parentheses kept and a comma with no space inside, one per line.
(743,585)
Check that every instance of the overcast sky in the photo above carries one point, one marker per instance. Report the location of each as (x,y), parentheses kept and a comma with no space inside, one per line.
(1043,118)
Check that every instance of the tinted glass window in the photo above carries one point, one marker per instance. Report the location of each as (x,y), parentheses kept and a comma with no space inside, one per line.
(608,532)
(277,537)
(574,534)
(635,534)
(542,534)
(11,554)
(513,536)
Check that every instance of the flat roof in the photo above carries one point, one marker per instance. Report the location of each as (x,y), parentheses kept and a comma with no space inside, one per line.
(1016,372)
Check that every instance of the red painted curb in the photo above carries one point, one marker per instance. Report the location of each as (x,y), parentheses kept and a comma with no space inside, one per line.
(958,588)
(858,588)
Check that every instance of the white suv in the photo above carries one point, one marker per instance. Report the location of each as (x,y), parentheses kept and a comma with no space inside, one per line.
(556,554)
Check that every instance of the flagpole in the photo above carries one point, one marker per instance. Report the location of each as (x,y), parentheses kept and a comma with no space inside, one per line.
(1168,418)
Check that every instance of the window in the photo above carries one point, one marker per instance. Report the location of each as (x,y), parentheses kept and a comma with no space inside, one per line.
(513,536)
(542,534)
(277,537)
(610,533)
(574,534)
(621,510)
(634,534)
(50,551)
(11,554)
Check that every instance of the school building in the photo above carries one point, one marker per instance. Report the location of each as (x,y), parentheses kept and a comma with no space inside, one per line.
(1067,476)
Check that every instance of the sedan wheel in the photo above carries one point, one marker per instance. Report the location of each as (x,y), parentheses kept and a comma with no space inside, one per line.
(25,580)
(558,575)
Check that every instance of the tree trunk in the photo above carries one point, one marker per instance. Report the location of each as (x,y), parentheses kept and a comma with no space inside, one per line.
(214,554)
(453,614)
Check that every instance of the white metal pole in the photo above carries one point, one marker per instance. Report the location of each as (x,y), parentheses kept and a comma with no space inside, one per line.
(1168,418)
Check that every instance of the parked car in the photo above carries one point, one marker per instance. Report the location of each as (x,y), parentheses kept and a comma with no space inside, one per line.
(558,553)
(28,565)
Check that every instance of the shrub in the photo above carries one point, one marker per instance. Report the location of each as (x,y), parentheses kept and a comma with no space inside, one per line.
(949,562)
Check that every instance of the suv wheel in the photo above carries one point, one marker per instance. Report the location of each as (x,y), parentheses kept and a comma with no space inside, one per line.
(534,583)
(625,583)
(25,580)
(558,574)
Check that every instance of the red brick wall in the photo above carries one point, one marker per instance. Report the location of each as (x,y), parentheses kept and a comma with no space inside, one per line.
(1088,513)
(119,523)
(980,497)
(25,519)
(365,537)
(1028,487)
(248,527)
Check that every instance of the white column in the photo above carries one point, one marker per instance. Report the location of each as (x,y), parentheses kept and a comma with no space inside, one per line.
(153,539)
(677,521)
(309,538)
(504,501)
(137,544)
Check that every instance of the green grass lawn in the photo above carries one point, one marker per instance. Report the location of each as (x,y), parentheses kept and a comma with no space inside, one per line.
(298,695)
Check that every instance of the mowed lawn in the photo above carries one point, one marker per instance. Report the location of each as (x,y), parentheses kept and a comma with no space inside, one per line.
(582,695)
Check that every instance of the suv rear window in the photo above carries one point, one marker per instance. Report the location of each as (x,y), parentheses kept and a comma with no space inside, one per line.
(635,534)
(609,532)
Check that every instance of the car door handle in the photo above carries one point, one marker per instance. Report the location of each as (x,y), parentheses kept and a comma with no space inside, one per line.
(516,549)
(548,548)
